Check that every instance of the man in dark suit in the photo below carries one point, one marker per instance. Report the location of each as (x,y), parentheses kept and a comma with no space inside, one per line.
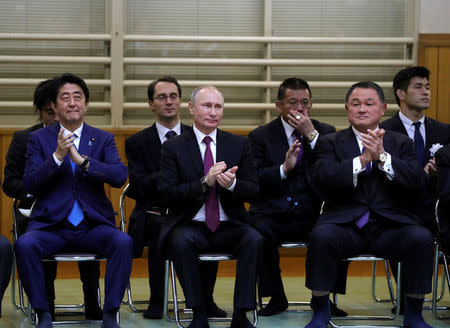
(412,92)
(143,151)
(365,175)
(207,175)
(288,205)
(443,187)
(13,187)
(67,165)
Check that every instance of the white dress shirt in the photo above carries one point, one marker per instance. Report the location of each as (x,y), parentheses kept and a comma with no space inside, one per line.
(200,216)
(358,168)
(411,129)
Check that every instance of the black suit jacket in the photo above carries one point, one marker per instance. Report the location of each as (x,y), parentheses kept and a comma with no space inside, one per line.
(443,187)
(436,133)
(15,163)
(143,151)
(292,196)
(375,192)
(182,168)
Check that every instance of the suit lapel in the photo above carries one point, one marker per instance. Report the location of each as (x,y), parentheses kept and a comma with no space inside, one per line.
(194,151)
(349,144)
(430,136)
(87,141)
(222,152)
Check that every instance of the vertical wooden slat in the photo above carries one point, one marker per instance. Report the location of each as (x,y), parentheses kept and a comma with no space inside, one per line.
(443,85)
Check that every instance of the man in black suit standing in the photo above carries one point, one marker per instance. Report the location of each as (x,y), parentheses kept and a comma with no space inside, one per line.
(143,151)
(208,174)
(364,173)
(288,205)
(412,92)
(13,187)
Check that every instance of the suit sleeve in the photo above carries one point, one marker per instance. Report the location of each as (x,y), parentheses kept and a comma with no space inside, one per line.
(109,167)
(15,166)
(443,178)
(246,189)
(143,184)
(172,188)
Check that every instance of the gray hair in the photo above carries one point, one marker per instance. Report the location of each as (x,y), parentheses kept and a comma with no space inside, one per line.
(196,91)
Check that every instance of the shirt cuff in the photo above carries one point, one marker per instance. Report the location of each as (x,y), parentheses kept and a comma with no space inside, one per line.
(282,175)
(313,143)
(387,167)
(57,161)
(357,169)
(231,188)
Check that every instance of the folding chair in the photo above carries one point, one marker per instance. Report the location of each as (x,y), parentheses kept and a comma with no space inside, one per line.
(170,266)
(440,257)
(395,300)
(66,309)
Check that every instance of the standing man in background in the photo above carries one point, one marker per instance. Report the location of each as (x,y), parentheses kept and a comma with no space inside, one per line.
(143,151)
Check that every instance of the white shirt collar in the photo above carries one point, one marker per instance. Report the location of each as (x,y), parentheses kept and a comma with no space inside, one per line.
(162,130)
(407,122)
(200,135)
(78,131)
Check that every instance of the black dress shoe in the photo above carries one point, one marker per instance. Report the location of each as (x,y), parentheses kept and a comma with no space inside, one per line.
(213,311)
(274,307)
(154,311)
(336,312)
(240,320)
(199,322)
(93,312)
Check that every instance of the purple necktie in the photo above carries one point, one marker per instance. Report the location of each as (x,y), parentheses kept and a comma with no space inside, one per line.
(298,137)
(211,201)
(362,221)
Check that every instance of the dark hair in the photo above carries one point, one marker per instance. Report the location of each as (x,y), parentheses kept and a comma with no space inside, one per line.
(404,76)
(293,83)
(167,78)
(59,81)
(43,94)
(366,85)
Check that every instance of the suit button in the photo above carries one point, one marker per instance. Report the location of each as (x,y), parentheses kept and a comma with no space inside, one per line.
(289,199)
(296,204)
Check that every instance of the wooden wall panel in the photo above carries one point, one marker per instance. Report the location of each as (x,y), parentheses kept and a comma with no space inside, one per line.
(434,53)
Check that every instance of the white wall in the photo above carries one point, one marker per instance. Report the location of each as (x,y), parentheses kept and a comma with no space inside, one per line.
(434,16)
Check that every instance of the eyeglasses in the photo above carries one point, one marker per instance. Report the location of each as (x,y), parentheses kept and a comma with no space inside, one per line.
(162,98)
(294,103)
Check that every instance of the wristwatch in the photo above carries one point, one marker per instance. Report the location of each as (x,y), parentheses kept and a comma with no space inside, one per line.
(205,185)
(312,135)
(85,162)
(382,157)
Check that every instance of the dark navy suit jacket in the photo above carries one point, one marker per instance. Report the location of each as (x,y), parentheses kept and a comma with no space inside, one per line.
(375,192)
(436,133)
(181,170)
(294,195)
(143,151)
(56,187)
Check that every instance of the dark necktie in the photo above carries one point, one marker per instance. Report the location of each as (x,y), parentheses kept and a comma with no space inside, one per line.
(362,221)
(211,202)
(299,137)
(170,134)
(419,145)
(76,214)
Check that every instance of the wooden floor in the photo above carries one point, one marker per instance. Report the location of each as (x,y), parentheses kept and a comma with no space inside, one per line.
(357,301)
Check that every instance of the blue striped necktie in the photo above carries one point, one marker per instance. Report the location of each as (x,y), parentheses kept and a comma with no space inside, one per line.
(76,214)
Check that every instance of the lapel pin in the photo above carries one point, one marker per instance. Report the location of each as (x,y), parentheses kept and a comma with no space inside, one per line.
(91,142)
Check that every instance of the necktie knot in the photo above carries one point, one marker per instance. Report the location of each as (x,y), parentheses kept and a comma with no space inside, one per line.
(170,134)
(297,135)
(417,124)
(207,140)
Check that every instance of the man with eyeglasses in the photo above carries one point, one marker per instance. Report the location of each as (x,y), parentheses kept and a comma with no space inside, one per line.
(13,187)
(143,153)
(288,205)
(66,168)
